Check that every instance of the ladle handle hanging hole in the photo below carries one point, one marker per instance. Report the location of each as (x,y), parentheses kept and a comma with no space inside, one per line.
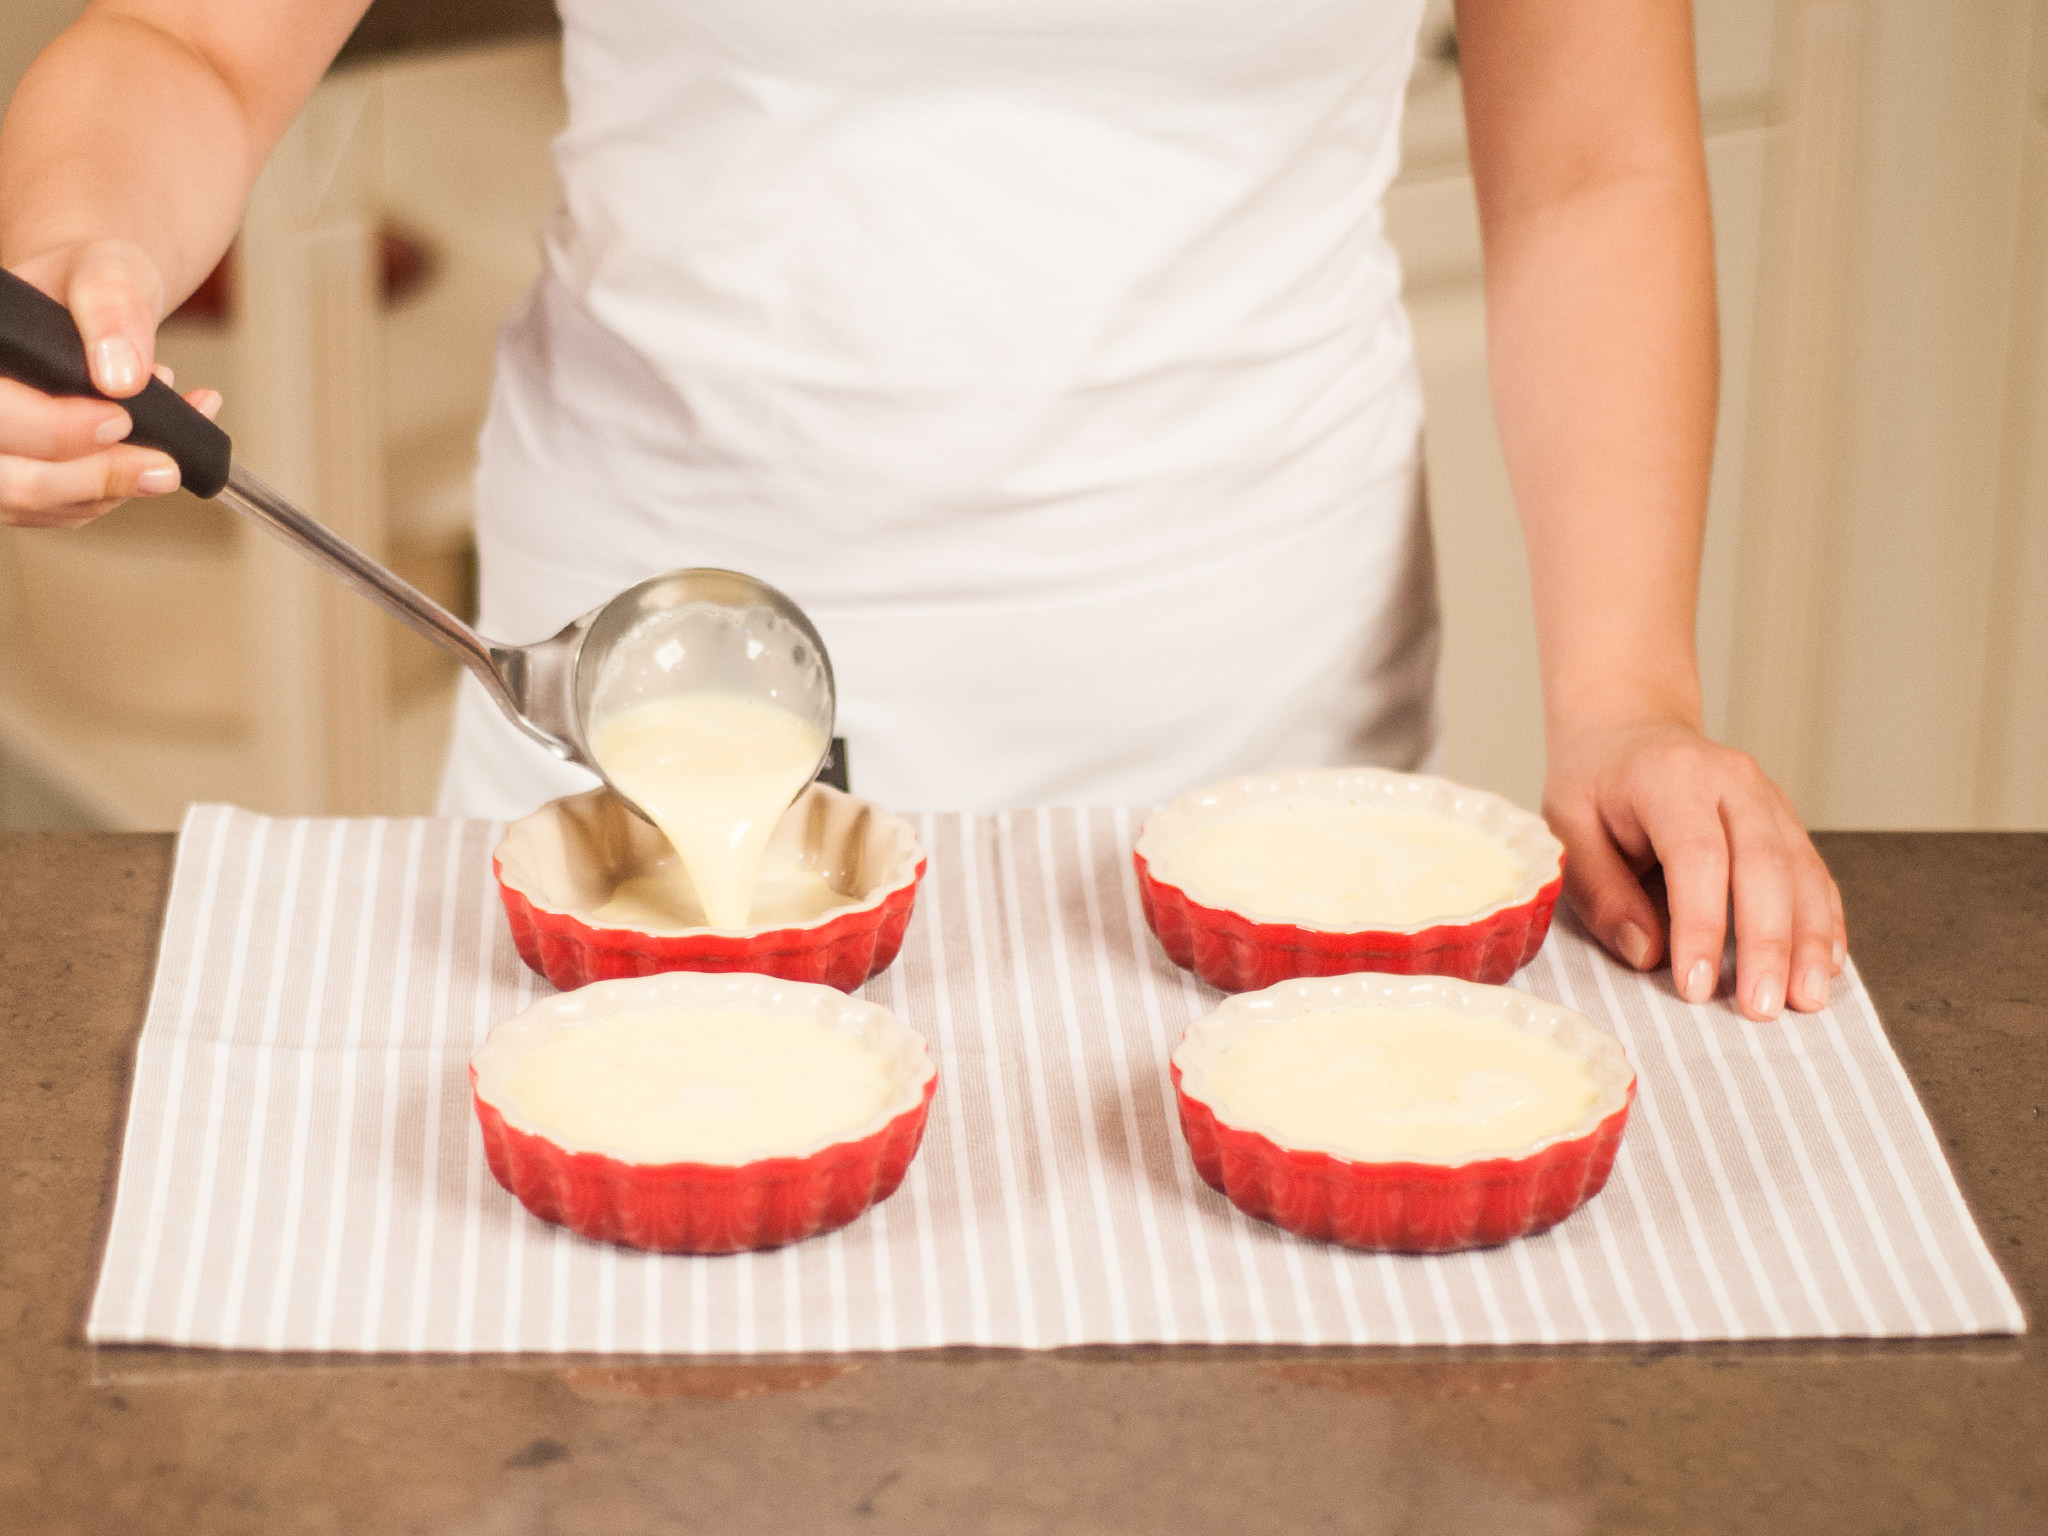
(40,347)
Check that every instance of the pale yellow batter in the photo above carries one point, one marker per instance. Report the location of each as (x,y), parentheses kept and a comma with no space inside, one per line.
(785,892)
(672,1085)
(1342,866)
(1392,1084)
(715,771)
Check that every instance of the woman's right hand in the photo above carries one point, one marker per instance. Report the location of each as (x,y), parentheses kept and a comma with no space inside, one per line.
(63,462)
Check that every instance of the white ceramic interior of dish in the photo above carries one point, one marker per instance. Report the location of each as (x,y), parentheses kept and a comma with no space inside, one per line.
(1525,836)
(571,855)
(1212,1034)
(902,1049)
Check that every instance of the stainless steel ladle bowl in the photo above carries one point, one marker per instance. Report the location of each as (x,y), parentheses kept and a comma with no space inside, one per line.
(686,631)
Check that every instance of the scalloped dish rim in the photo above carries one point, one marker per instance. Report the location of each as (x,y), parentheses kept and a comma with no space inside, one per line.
(1614,1095)
(1168,824)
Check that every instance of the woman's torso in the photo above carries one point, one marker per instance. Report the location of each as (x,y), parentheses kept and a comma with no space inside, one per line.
(1057,345)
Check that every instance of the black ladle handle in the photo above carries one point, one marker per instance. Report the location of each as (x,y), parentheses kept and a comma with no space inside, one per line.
(41,347)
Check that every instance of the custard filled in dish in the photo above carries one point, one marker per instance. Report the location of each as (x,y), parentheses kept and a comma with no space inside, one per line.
(683,1084)
(1403,1113)
(1383,1085)
(1342,865)
(1324,871)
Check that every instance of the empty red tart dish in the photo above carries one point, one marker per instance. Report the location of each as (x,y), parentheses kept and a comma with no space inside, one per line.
(1320,872)
(698,1113)
(591,893)
(1407,1114)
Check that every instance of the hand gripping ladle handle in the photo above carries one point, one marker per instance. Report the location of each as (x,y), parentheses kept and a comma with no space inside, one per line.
(40,346)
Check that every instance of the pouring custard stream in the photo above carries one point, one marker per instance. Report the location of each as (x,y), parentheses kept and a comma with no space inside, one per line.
(714,771)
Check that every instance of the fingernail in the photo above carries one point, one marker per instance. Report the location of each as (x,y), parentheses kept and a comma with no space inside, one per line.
(207,402)
(154,482)
(1813,990)
(1699,982)
(1841,954)
(1765,999)
(117,369)
(1634,945)
(165,372)
(113,429)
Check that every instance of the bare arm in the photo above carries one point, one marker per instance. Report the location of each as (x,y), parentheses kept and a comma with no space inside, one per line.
(1591,177)
(125,158)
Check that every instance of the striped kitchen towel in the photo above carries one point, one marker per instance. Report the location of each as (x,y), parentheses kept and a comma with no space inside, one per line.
(302,1171)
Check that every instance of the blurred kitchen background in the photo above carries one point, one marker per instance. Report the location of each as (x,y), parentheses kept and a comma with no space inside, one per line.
(1874,611)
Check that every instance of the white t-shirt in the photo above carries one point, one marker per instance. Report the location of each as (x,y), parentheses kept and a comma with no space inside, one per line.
(1049,354)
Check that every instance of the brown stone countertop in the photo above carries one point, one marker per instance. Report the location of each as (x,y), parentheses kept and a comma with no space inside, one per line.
(1951,933)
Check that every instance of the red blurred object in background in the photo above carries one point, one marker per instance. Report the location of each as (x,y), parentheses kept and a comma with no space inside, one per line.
(406,259)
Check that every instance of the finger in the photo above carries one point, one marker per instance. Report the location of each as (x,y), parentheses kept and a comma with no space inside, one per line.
(1813,926)
(1692,845)
(114,295)
(207,402)
(1605,892)
(76,515)
(1765,904)
(33,489)
(40,426)
(164,372)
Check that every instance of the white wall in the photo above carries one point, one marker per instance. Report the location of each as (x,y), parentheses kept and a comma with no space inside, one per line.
(29,25)
(1889,663)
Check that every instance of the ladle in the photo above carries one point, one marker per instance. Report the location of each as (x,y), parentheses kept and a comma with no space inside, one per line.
(686,631)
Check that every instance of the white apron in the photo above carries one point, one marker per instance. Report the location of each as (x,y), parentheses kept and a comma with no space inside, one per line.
(1049,353)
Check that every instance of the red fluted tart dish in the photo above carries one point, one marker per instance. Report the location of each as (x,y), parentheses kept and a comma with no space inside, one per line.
(702,1113)
(1409,1114)
(1320,872)
(594,893)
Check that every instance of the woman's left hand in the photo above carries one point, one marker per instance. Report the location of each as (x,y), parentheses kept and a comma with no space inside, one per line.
(1625,800)
(1584,127)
